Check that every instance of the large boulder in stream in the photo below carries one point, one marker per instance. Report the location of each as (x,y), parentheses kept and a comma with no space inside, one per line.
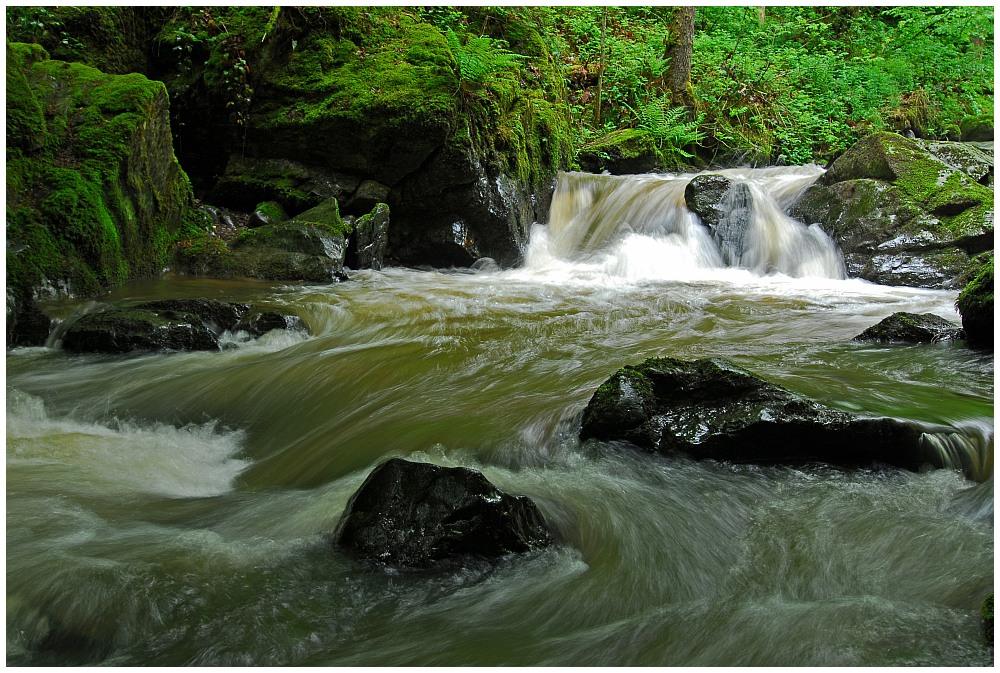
(904,211)
(914,328)
(168,325)
(712,409)
(416,515)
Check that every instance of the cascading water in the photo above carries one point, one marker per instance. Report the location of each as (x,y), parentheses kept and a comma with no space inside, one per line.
(640,227)
(176,508)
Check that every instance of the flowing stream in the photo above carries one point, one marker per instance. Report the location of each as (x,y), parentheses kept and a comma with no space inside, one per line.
(176,509)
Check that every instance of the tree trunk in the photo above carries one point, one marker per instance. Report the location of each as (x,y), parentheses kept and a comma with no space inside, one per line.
(679,52)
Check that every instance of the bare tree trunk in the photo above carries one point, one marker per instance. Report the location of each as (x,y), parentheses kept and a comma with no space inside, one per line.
(761,13)
(679,52)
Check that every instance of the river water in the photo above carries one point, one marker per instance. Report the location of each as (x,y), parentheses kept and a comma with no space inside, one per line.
(176,509)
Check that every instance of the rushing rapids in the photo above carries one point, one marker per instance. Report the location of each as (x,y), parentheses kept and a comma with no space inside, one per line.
(177,508)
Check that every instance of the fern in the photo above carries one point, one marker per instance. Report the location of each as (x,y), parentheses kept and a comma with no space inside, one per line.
(668,127)
(482,60)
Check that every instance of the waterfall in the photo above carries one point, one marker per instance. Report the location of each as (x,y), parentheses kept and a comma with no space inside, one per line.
(640,225)
(969,450)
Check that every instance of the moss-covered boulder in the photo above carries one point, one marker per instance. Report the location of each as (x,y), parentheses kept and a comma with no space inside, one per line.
(977,128)
(901,214)
(310,247)
(95,195)
(712,409)
(975,304)
(911,328)
(268,212)
(621,152)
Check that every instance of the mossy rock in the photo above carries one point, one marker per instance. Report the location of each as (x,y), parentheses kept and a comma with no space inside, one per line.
(367,106)
(975,304)
(268,212)
(905,212)
(95,196)
(977,128)
(905,327)
(621,152)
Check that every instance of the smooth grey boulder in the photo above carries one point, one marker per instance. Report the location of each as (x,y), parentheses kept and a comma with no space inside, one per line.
(417,515)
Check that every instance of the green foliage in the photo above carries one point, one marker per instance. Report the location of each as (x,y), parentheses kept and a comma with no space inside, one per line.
(669,126)
(482,61)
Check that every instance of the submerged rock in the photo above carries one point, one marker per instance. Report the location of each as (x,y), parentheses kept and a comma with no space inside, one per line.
(912,328)
(168,324)
(414,515)
(125,330)
(713,409)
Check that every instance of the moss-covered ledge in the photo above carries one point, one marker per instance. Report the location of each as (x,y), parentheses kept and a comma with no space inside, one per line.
(95,195)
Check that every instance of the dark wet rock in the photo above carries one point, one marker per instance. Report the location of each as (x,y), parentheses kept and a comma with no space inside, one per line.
(217,316)
(27,324)
(725,207)
(125,330)
(367,196)
(712,409)
(257,323)
(169,324)
(368,240)
(905,212)
(415,515)
(912,328)
(975,303)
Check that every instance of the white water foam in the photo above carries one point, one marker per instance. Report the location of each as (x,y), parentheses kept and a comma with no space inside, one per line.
(639,228)
(122,457)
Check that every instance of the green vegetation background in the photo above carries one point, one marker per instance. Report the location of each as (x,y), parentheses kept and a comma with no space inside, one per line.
(771,85)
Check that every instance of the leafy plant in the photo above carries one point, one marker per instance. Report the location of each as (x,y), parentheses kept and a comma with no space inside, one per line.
(481,61)
(669,126)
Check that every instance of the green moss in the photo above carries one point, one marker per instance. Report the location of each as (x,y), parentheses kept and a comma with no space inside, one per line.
(975,303)
(977,127)
(401,82)
(97,197)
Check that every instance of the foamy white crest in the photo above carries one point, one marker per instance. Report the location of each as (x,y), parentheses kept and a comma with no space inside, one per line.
(190,461)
